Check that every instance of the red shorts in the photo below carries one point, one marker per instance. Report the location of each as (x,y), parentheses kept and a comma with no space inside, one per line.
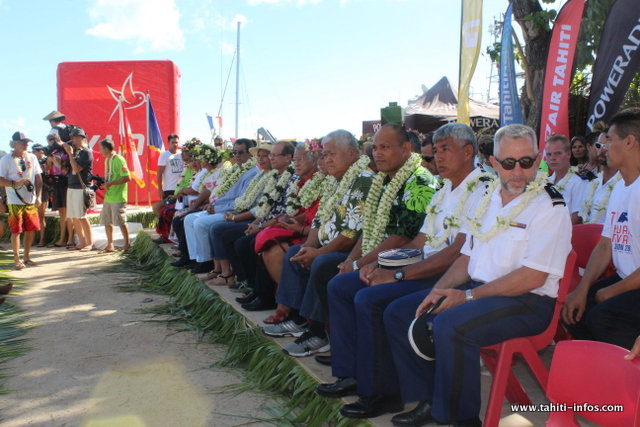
(23,218)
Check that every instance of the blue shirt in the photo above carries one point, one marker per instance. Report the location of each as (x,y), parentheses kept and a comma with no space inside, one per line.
(226,202)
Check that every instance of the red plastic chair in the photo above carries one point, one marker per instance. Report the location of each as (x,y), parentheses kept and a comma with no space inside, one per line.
(500,357)
(594,373)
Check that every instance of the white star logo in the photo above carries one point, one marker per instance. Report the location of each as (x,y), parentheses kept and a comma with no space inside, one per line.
(138,97)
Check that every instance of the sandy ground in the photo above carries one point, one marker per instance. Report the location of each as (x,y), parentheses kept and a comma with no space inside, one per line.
(96,362)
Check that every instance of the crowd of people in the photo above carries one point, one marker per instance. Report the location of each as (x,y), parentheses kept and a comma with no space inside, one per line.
(403,256)
(324,235)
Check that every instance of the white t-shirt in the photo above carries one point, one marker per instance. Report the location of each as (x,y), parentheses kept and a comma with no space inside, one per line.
(622,226)
(172,171)
(195,184)
(448,207)
(539,238)
(574,192)
(9,170)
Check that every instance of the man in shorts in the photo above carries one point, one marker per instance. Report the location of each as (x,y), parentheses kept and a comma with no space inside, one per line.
(114,205)
(21,171)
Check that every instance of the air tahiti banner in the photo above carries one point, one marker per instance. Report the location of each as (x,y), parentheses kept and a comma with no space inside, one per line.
(510,110)
(557,78)
(617,61)
(469,51)
(89,94)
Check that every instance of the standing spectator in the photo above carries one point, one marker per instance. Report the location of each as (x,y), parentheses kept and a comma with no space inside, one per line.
(55,119)
(169,167)
(59,168)
(114,205)
(218,143)
(21,171)
(428,157)
(45,195)
(81,159)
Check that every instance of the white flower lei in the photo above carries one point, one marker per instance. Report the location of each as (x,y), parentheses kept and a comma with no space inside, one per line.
(378,205)
(272,191)
(450,221)
(232,176)
(306,195)
(502,223)
(587,218)
(563,182)
(328,204)
(245,201)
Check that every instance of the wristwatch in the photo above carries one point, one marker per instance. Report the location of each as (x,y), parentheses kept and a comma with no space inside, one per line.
(399,275)
(355,266)
(468,296)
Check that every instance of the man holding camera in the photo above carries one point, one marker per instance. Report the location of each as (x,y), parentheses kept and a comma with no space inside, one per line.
(21,171)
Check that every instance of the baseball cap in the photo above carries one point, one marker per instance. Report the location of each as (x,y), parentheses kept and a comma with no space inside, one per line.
(21,136)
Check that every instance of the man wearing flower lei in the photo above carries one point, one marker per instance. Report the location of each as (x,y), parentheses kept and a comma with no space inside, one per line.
(572,186)
(503,285)
(607,310)
(595,204)
(21,171)
(291,229)
(334,232)
(234,181)
(357,304)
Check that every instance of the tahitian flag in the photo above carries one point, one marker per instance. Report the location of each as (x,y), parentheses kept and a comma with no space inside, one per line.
(510,110)
(617,61)
(469,52)
(557,79)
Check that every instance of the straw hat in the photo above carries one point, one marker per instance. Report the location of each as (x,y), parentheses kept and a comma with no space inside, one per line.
(54,115)
(262,145)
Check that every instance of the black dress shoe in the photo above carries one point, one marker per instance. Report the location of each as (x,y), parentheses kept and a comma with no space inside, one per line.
(323,360)
(250,297)
(343,387)
(372,406)
(181,262)
(159,240)
(259,304)
(202,267)
(419,416)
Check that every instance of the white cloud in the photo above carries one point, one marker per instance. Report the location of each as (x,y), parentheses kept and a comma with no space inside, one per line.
(227,48)
(151,24)
(16,124)
(297,2)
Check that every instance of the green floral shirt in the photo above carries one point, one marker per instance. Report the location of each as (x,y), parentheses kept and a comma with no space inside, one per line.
(348,216)
(410,206)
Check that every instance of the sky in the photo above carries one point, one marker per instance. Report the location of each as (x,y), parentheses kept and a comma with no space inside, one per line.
(307,67)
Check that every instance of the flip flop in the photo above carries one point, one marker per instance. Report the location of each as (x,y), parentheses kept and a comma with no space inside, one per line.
(40,245)
(55,245)
(73,248)
(19,266)
(106,251)
(31,263)
(85,249)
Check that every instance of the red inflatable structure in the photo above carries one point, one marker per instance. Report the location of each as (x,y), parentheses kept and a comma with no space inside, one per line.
(88,94)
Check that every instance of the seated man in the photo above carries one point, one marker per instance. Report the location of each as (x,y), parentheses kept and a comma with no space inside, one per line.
(502,286)
(357,300)
(607,310)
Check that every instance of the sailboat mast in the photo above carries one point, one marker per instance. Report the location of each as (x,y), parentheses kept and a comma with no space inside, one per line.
(237,77)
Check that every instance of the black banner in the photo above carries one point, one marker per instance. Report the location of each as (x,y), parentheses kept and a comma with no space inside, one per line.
(617,61)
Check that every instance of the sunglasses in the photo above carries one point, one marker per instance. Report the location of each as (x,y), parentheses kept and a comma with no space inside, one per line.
(598,145)
(428,159)
(238,153)
(510,163)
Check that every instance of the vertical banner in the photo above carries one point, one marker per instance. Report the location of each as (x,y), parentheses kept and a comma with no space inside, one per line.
(510,110)
(470,38)
(557,78)
(617,61)
(128,147)
(155,147)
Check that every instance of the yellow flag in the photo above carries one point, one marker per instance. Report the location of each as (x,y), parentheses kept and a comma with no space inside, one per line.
(469,51)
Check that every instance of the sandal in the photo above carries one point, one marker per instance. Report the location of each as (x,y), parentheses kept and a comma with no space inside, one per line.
(224,282)
(31,263)
(278,317)
(19,266)
(40,245)
(212,275)
(106,251)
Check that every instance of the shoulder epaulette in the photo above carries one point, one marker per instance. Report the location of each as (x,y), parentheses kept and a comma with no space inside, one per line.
(556,196)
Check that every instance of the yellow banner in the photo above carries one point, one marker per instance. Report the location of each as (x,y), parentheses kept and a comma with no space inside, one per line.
(469,52)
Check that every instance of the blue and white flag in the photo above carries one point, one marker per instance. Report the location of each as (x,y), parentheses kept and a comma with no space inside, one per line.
(510,110)
(210,120)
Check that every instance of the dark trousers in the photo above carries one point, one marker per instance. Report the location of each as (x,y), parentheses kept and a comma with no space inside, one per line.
(178,228)
(452,381)
(246,256)
(229,239)
(614,321)
(359,344)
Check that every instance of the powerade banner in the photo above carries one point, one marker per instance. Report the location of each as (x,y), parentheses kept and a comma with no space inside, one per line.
(617,61)
(469,51)
(510,110)
(88,94)
(557,78)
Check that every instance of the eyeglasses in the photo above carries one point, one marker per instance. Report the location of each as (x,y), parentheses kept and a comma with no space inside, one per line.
(428,159)
(273,156)
(300,159)
(510,163)
(238,153)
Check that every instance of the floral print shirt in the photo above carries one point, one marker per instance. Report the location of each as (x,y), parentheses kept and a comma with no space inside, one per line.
(348,216)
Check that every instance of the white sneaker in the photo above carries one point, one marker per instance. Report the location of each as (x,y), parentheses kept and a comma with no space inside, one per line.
(307,345)
(288,328)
